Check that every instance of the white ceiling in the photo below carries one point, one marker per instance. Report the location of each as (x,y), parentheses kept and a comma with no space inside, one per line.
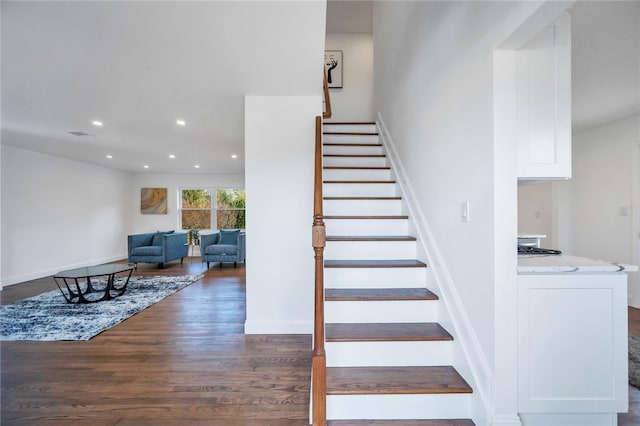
(605,61)
(350,16)
(139,66)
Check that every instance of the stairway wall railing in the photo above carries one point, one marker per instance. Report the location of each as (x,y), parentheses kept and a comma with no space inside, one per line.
(319,359)
(327,99)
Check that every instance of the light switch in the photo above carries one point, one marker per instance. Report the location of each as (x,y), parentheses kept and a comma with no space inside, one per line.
(464,211)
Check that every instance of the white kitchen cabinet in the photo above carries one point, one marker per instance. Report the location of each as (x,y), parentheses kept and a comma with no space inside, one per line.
(572,341)
(544,103)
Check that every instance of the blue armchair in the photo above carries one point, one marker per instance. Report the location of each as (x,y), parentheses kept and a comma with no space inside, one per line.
(226,245)
(157,247)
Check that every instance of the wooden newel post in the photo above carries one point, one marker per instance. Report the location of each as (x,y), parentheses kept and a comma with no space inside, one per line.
(318,359)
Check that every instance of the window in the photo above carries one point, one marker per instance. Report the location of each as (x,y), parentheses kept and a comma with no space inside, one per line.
(195,209)
(201,208)
(230,208)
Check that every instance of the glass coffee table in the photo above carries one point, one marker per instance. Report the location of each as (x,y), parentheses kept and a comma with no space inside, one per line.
(94,283)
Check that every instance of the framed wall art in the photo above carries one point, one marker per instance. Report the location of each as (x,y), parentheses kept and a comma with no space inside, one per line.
(153,200)
(333,68)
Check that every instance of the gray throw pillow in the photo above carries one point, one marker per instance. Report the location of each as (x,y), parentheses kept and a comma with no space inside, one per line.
(157,239)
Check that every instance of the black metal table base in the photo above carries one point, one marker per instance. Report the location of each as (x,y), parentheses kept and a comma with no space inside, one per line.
(78,293)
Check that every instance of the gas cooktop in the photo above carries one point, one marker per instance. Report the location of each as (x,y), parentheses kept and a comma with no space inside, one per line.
(537,250)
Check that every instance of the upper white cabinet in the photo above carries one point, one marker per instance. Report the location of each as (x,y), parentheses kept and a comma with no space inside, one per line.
(544,103)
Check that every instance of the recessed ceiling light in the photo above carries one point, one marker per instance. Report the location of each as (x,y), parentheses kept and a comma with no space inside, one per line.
(172,156)
(146,166)
(109,156)
(181,122)
(197,166)
(234,155)
(97,123)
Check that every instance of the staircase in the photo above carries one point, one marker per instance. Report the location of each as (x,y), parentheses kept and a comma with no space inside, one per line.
(388,359)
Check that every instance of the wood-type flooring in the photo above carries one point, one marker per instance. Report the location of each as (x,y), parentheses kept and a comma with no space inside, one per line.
(183,361)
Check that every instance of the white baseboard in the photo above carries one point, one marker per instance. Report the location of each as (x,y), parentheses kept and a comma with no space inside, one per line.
(34,275)
(506,421)
(475,362)
(258,326)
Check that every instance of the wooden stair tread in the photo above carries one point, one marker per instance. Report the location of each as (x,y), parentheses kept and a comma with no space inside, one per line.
(395,380)
(367,217)
(362,198)
(360,181)
(377,294)
(386,332)
(352,133)
(355,155)
(357,168)
(371,238)
(328,123)
(397,263)
(429,422)
(350,144)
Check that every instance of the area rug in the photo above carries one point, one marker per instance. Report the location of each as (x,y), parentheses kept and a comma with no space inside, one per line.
(49,317)
(634,361)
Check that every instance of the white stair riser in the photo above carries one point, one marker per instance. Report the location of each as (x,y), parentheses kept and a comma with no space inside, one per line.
(375,277)
(352,150)
(383,311)
(363,227)
(438,406)
(362,207)
(356,174)
(350,138)
(359,189)
(375,250)
(354,128)
(355,161)
(388,354)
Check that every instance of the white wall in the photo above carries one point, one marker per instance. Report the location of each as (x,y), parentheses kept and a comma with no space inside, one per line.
(597,211)
(173,182)
(279,159)
(535,209)
(354,102)
(433,88)
(58,214)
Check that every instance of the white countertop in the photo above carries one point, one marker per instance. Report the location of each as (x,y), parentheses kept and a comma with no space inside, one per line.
(564,263)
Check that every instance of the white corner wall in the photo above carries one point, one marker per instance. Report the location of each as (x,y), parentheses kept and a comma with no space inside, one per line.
(173,183)
(598,209)
(434,94)
(59,214)
(279,160)
(353,102)
(434,90)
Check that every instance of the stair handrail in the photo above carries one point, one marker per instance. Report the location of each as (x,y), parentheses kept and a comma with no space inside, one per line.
(318,359)
(327,99)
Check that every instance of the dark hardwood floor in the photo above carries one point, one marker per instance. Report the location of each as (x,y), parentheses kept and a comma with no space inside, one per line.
(182,361)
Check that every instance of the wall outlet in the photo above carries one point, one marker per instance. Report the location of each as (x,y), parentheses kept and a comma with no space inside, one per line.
(623,211)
